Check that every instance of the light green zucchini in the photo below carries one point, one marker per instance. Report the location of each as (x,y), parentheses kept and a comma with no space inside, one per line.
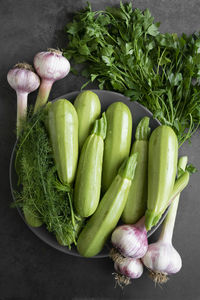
(63,131)
(32,217)
(117,142)
(88,179)
(101,224)
(137,199)
(162,167)
(88,108)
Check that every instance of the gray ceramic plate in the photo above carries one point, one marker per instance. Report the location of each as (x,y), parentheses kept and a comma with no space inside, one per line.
(106,97)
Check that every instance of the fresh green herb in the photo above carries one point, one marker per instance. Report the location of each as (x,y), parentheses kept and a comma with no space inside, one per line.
(191,169)
(41,191)
(123,50)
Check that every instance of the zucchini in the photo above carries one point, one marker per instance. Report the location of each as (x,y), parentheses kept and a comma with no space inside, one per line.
(101,224)
(32,217)
(137,199)
(63,131)
(117,142)
(88,179)
(88,107)
(162,167)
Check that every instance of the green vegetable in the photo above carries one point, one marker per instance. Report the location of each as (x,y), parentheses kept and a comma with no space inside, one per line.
(88,179)
(88,109)
(124,51)
(180,183)
(137,199)
(42,197)
(161,258)
(32,216)
(63,131)
(117,142)
(162,167)
(97,230)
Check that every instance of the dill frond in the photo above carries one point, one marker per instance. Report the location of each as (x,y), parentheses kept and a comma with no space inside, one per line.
(40,191)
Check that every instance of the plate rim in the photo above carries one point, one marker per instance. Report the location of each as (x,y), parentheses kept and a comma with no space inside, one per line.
(57,246)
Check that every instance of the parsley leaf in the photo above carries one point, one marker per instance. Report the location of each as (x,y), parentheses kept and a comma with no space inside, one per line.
(123,50)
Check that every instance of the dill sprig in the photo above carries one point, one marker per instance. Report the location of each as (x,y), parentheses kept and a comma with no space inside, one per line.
(41,193)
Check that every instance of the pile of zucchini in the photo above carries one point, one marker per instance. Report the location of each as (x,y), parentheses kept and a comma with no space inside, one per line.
(111,180)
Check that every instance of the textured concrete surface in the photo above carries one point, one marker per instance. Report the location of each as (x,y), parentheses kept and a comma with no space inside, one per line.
(30,269)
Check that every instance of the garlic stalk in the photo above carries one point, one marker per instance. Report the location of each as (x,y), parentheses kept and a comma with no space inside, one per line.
(161,258)
(50,66)
(127,268)
(23,80)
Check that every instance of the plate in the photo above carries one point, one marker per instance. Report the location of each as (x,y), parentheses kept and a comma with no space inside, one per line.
(106,98)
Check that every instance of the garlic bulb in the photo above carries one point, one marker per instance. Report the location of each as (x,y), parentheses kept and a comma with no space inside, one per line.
(162,259)
(50,66)
(127,268)
(131,240)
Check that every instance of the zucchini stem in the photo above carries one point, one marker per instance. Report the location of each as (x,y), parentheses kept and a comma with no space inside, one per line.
(100,127)
(127,169)
(143,130)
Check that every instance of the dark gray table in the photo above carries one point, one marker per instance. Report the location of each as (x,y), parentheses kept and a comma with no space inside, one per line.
(30,269)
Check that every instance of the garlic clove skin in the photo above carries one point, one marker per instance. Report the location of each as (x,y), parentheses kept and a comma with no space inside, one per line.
(130,267)
(51,65)
(22,78)
(130,240)
(163,258)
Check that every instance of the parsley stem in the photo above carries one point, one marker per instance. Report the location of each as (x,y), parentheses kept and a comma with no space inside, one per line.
(160,59)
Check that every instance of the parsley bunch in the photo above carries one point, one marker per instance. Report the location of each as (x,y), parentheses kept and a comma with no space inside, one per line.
(124,51)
